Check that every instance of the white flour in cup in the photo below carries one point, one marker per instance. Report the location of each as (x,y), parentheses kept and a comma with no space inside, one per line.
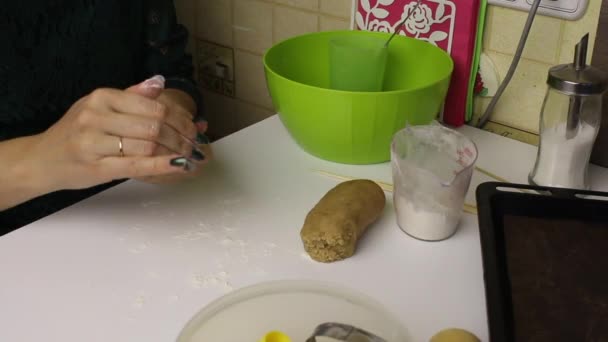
(432,167)
(431,221)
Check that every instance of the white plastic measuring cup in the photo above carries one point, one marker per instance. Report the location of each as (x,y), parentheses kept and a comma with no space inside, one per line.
(432,167)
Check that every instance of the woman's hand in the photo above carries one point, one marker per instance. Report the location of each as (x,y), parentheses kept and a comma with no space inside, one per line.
(179,103)
(83,149)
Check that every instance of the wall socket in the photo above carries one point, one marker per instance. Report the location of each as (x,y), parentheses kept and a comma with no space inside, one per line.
(564,9)
(215,67)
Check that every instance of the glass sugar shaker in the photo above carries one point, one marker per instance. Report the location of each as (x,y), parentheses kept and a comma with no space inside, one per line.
(569,122)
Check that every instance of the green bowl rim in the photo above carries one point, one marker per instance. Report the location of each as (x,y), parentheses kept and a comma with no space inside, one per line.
(269,69)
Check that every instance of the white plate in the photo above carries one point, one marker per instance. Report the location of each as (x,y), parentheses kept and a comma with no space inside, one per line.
(293,307)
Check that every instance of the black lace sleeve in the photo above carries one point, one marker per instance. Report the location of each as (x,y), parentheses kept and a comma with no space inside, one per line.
(165,50)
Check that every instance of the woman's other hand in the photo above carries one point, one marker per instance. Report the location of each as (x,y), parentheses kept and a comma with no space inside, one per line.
(114,134)
(178,104)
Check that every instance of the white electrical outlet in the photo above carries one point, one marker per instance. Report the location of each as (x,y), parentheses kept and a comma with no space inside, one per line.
(565,9)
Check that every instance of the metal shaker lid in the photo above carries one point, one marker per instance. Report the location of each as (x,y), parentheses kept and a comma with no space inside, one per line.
(578,78)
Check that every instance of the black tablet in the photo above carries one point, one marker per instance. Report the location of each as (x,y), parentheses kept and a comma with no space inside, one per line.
(545,260)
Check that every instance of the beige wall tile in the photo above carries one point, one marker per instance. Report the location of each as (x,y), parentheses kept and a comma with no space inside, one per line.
(252,25)
(521,102)
(340,8)
(290,22)
(251,80)
(551,41)
(214,21)
(487,34)
(248,114)
(221,114)
(312,5)
(332,24)
(575,30)
(506,26)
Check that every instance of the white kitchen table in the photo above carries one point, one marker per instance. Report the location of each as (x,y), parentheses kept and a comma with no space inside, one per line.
(136,262)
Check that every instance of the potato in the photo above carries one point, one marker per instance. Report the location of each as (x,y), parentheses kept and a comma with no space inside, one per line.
(454,335)
(333,227)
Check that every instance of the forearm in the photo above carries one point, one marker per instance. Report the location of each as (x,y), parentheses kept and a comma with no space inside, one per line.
(21,178)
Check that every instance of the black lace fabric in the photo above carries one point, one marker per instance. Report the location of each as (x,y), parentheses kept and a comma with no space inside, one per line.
(56,51)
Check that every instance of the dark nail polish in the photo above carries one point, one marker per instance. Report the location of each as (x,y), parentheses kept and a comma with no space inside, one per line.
(179,162)
(197,155)
(202,139)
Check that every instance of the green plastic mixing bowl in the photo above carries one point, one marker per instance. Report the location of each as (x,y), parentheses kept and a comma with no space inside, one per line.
(347,126)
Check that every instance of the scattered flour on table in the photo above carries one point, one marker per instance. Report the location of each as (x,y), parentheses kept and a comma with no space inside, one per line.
(194,235)
(137,228)
(270,244)
(153,275)
(128,319)
(218,280)
(226,286)
(172,299)
(230,229)
(257,271)
(244,258)
(139,301)
(230,202)
(149,204)
(140,248)
(227,241)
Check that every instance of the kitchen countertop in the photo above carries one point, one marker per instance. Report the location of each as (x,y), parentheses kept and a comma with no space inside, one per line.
(136,262)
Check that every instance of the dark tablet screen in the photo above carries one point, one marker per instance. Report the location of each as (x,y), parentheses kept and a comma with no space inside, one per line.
(558,277)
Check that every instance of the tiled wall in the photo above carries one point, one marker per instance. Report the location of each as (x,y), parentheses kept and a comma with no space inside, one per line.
(252,26)
(551,41)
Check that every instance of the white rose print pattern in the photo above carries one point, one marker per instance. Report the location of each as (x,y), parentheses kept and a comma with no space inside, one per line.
(433,20)
(380,26)
(420,21)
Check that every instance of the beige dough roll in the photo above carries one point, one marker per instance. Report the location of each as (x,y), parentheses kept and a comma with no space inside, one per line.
(333,227)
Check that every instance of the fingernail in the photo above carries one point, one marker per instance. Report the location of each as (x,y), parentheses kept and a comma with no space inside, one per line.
(202,139)
(197,155)
(201,127)
(179,162)
(157,82)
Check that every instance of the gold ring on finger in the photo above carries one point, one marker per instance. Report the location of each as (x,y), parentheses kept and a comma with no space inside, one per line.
(120,149)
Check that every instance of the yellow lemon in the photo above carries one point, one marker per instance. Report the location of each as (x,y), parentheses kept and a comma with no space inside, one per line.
(454,335)
(275,336)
